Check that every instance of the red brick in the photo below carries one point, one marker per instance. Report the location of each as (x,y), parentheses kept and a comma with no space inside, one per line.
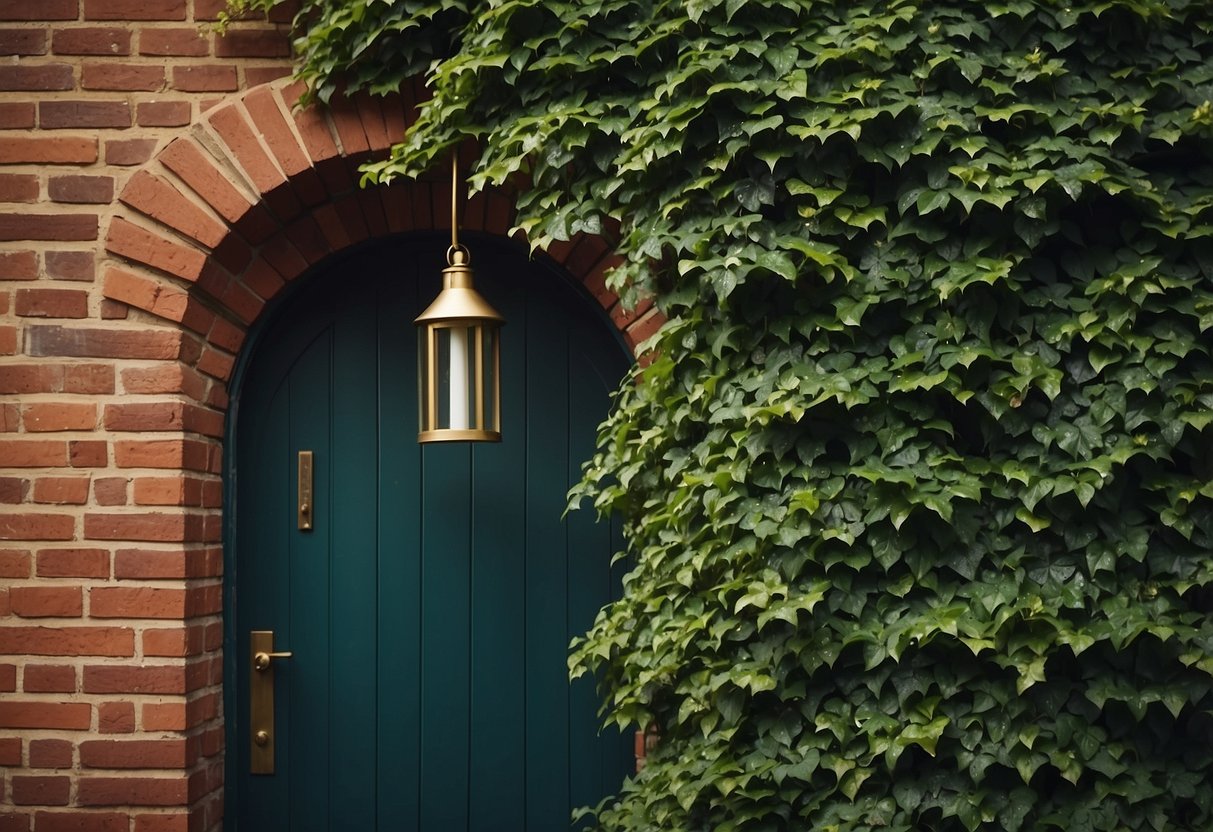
(91,40)
(240,137)
(77,114)
(136,602)
(50,753)
(19,187)
(145,416)
(30,453)
(49,678)
(257,75)
(22,41)
(31,790)
(134,243)
(51,340)
(226,335)
(253,43)
(147,293)
(115,77)
(195,78)
(134,9)
(66,641)
(159,200)
(82,822)
(17,115)
(188,160)
(133,754)
(36,78)
(13,490)
(52,227)
(61,490)
(39,9)
(37,527)
(46,601)
(73,563)
(163,113)
(114,310)
(63,150)
(168,491)
(10,750)
(71,265)
(129,151)
(86,453)
(149,564)
(163,378)
(116,717)
(88,378)
(110,491)
(132,791)
(175,643)
(216,364)
(14,563)
(70,716)
(8,346)
(18,265)
(52,303)
(55,416)
(166,527)
(161,453)
(174,42)
(134,679)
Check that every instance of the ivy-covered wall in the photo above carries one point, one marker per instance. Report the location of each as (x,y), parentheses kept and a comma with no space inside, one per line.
(917,483)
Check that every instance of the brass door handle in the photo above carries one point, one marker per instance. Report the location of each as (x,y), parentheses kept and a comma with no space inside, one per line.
(262,660)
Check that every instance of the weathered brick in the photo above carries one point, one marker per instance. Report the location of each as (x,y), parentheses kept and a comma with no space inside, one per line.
(163,113)
(110,491)
(158,199)
(73,563)
(55,416)
(257,75)
(132,791)
(17,115)
(77,114)
(91,40)
(18,265)
(40,10)
(37,527)
(14,563)
(199,78)
(150,527)
(19,187)
(253,43)
(69,716)
(115,77)
(136,602)
(174,42)
(134,243)
(116,717)
(13,490)
(197,169)
(22,42)
(81,822)
(49,678)
(51,303)
(88,453)
(71,265)
(51,227)
(129,151)
(134,9)
(134,754)
(52,340)
(60,150)
(61,490)
(40,790)
(66,641)
(10,747)
(38,78)
(50,754)
(46,601)
(134,679)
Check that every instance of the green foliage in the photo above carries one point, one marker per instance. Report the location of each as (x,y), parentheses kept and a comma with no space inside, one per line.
(918,483)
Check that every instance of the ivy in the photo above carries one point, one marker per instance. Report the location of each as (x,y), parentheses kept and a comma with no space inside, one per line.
(917,483)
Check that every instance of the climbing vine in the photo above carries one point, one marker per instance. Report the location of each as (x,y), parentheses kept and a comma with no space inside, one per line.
(919,481)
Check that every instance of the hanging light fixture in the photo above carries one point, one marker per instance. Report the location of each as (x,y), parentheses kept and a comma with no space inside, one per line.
(459,353)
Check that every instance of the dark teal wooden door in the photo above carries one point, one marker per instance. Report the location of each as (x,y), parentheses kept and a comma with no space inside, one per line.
(429,610)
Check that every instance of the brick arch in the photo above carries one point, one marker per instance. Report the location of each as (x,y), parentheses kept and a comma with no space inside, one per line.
(203,236)
(258,191)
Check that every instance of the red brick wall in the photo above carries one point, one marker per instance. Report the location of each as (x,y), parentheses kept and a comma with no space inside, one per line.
(156,189)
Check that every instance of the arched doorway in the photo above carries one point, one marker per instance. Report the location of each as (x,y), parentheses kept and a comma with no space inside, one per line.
(428,608)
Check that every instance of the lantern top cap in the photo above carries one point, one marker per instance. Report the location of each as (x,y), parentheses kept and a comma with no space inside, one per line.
(458,300)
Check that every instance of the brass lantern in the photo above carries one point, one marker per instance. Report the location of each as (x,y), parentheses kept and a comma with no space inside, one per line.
(459,355)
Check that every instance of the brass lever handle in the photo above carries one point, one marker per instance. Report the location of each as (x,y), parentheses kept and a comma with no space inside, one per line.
(261,661)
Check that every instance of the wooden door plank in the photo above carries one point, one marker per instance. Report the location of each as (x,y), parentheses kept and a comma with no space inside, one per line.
(302,681)
(547,789)
(352,564)
(399,591)
(498,735)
